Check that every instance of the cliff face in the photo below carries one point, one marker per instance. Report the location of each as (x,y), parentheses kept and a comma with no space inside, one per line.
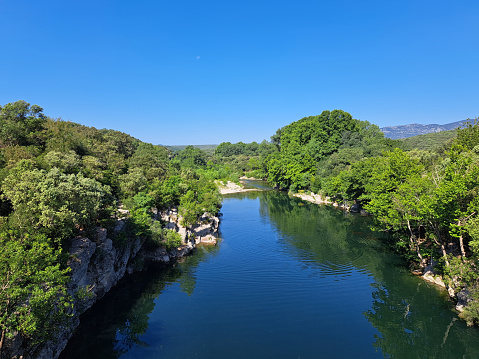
(97,265)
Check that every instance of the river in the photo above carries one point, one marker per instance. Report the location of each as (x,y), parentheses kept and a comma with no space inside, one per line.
(288,279)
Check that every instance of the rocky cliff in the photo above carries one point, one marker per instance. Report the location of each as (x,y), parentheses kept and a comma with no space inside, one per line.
(97,264)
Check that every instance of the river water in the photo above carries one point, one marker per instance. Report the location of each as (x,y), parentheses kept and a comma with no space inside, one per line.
(288,279)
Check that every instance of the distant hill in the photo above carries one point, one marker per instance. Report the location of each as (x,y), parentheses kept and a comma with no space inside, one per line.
(414,129)
(207,148)
(429,141)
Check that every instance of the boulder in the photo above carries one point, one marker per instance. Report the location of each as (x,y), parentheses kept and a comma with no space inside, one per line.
(463,298)
(355,208)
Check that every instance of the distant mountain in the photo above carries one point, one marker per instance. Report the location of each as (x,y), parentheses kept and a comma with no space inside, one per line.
(414,129)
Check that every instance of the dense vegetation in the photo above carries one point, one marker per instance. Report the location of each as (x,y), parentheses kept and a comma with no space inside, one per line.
(434,141)
(59,180)
(208,149)
(423,191)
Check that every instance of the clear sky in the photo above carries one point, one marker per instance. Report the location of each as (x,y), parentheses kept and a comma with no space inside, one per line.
(205,72)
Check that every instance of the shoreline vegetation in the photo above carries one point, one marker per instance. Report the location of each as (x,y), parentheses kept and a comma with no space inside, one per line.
(427,273)
(80,208)
(424,197)
(61,181)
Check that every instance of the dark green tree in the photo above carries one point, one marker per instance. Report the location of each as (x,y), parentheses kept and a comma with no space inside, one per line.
(20,124)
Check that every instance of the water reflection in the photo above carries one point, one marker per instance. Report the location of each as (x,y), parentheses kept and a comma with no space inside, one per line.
(414,318)
(291,279)
(121,318)
(336,241)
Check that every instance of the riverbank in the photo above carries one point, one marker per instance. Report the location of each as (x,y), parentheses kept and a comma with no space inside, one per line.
(231,187)
(313,258)
(318,199)
(427,273)
(99,262)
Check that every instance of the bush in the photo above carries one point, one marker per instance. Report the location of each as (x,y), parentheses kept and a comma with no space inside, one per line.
(157,234)
(471,311)
(173,239)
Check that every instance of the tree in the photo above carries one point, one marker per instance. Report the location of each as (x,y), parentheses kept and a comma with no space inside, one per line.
(192,157)
(390,171)
(67,162)
(20,124)
(189,209)
(307,141)
(54,203)
(151,159)
(276,138)
(33,297)
(132,182)
(468,136)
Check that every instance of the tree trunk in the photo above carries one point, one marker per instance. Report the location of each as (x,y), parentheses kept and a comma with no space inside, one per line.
(1,342)
(413,240)
(441,244)
(461,223)
(461,244)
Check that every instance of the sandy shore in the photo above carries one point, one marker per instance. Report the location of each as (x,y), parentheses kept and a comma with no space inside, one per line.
(318,199)
(314,198)
(232,187)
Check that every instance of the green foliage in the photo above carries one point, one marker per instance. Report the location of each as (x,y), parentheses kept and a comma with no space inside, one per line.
(33,297)
(169,191)
(152,160)
(472,228)
(471,311)
(202,196)
(60,179)
(132,182)
(54,203)
(238,159)
(227,149)
(316,136)
(460,272)
(157,233)
(172,239)
(192,157)
(388,174)
(20,124)
(430,141)
(317,148)
(68,162)
(468,137)
(208,149)
(140,220)
(189,209)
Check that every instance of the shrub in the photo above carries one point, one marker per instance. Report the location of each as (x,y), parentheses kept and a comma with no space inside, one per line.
(173,239)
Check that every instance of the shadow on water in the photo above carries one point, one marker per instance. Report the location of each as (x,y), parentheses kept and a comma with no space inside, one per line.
(116,323)
(414,319)
(317,278)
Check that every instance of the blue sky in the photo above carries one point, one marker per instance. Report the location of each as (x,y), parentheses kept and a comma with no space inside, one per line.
(205,72)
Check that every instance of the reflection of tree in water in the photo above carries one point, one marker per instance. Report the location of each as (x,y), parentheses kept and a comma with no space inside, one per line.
(415,321)
(117,322)
(415,324)
(326,236)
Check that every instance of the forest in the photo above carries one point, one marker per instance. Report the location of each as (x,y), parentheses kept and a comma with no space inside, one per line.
(422,191)
(60,179)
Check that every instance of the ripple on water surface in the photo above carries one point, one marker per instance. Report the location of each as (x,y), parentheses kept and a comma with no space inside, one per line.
(287,281)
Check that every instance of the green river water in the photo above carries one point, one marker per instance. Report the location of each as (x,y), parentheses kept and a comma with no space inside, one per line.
(288,279)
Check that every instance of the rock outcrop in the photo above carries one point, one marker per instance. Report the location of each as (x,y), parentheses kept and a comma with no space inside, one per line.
(463,298)
(318,199)
(97,264)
